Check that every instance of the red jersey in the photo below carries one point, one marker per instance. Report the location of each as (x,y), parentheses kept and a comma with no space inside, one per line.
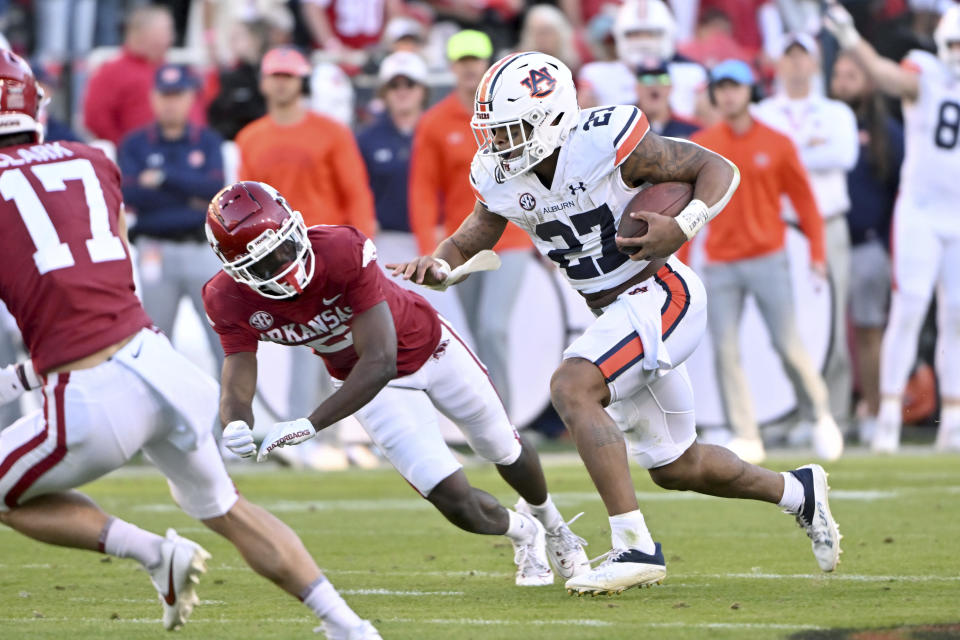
(67,275)
(346,281)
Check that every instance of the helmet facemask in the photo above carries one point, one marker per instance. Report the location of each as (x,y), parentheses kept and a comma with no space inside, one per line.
(524,147)
(278,264)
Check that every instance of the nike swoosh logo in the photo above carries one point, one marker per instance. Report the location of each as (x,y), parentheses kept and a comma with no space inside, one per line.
(139,348)
(331,300)
(171,596)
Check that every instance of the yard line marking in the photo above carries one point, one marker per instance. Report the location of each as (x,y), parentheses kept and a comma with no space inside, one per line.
(486,622)
(393,592)
(562,498)
(852,577)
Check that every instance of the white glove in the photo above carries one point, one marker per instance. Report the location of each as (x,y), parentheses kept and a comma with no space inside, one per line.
(17,378)
(839,22)
(238,438)
(285,434)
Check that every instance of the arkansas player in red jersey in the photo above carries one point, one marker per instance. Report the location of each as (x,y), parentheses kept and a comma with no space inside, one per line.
(111,385)
(394,361)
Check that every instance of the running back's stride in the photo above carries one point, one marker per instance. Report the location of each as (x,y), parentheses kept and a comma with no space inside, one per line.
(564,175)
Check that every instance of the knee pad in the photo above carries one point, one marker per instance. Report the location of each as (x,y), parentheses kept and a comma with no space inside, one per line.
(658,421)
(500,444)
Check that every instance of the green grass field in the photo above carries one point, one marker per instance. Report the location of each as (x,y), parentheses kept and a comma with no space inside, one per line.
(736,569)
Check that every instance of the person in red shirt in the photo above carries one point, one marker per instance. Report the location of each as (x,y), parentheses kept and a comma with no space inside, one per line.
(395,362)
(746,256)
(112,385)
(118,94)
(440,194)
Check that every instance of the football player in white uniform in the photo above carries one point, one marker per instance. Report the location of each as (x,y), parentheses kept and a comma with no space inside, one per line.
(565,175)
(644,32)
(926,226)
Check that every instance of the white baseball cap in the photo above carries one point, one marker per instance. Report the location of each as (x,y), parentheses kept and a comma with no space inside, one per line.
(804,40)
(403,63)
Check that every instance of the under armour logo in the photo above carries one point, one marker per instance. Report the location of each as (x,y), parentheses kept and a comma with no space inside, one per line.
(540,82)
(574,187)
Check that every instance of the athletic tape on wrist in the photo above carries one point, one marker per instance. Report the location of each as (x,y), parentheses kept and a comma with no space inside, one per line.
(693,217)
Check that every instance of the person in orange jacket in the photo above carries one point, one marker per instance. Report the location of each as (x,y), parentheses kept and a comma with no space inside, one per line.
(746,255)
(440,194)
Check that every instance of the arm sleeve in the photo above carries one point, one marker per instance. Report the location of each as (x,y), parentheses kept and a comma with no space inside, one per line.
(98,108)
(796,184)
(841,146)
(423,201)
(352,183)
(233,338)
(363,278)
(205,181)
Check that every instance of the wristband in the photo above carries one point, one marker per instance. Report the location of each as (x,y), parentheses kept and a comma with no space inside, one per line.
(444,266)
(693,217)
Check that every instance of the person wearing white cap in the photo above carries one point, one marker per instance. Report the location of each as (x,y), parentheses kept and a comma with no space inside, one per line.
(826,135)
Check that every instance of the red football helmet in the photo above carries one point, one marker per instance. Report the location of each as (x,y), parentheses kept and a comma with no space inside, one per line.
(261,241)
(20,97)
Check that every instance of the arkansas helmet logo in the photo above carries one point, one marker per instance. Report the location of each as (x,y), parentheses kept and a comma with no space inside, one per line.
(539,82)
(261,320)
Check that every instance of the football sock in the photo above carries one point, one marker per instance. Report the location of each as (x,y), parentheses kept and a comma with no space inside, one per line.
(321,598)
(121,539)
(890,411)
(521,529)
(629,530)
(792,500)
(547,513)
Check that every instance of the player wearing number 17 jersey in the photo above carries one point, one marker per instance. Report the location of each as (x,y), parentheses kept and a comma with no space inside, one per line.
(925,238)
(565,176)
(111,385)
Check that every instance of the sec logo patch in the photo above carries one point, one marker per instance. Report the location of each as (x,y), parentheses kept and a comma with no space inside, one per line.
(261,320)
(528,202)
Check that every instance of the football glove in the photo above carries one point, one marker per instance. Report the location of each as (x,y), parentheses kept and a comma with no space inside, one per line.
(17,378)
(238,438)
(285,434)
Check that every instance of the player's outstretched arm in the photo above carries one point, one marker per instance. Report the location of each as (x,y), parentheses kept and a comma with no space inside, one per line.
(481,230)
(658,159)
(238,384)
(889,77)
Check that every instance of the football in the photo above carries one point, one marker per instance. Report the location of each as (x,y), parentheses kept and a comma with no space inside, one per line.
(666,198)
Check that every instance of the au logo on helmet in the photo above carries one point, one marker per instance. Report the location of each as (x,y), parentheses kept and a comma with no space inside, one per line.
(539,82)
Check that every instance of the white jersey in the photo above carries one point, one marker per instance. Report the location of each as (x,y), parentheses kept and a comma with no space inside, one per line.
(574,222)
(931,166)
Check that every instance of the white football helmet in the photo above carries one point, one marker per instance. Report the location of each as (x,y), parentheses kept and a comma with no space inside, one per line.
(947,32)
(530,97)
(644,29)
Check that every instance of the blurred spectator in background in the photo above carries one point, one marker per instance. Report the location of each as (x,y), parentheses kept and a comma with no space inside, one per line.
(403,33)
(118,95)
(606,80)
(713,41)
(65,29)
(825,133)
(171,169)
(440,192)
(342,26)
(238,101)
(873,185)
(311,159)
(743,19)
(385,146)
(745,255)
(653,98)
(331,93)
(53,127)
(547,30)
(315,162)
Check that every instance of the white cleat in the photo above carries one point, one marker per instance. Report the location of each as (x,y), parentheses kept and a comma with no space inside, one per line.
(827,439)
(363,631)
(815,517)
(948,440)
(564,547)
(886,437)
(748,449)
(176,577)
(533,569)
(621,570)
